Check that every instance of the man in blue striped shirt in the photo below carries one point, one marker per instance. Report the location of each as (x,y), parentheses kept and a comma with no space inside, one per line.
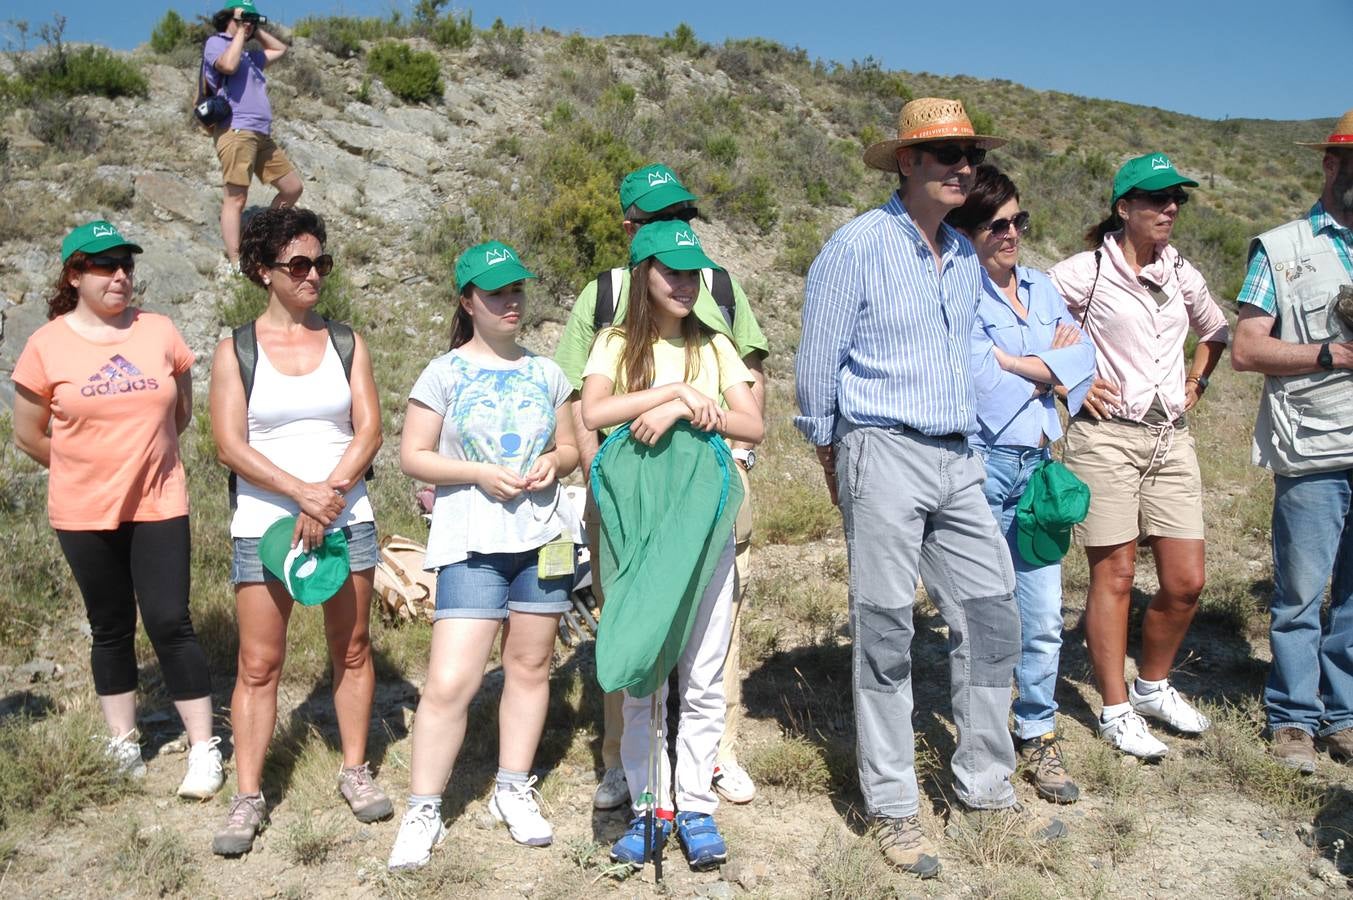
(886,395)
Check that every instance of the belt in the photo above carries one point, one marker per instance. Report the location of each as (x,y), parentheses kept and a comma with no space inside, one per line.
(951,437)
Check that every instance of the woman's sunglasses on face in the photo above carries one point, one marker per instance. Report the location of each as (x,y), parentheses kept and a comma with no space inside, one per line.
(1019,221)
(1160,198)
(949,154)
(107,265)
(299,267)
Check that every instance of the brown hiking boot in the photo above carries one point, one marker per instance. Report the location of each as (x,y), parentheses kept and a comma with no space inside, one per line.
(364,796)
(1042,758)
(1338,745)
(1015,819)
(905,845)
(1295,749)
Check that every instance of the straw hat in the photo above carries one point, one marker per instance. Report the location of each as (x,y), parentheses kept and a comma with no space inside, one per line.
(1342,136)
(922,120)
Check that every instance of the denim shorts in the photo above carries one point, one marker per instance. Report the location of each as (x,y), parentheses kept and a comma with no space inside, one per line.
(363,553)
(490,585)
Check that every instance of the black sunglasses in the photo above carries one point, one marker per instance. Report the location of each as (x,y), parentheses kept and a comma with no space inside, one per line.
(1019,220)
(686,214)
(299,267)
(107,265)
(949,154)
(1160,198)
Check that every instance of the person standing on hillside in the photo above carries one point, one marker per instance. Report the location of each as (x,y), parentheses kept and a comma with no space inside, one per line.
(244,144)
(653,194)
(886,395)
(1296,327)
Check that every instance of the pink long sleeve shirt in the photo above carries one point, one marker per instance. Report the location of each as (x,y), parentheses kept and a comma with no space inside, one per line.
(1139,343)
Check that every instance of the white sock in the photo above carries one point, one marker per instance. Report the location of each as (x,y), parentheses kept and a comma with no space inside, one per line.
(1112,712)
(1150,687)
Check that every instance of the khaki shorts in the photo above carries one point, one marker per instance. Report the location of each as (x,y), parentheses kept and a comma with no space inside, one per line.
(244,154)
(1111,458)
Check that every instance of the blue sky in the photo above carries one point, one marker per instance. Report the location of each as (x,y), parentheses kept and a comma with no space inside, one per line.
(1212,59)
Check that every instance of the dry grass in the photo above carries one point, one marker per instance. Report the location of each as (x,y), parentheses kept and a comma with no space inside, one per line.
(846,868)
(793,763)
(155,861)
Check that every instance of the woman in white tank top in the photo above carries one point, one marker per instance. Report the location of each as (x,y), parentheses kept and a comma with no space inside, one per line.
(298,443)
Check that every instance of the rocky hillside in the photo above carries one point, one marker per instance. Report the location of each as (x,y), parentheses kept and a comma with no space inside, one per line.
(524,138)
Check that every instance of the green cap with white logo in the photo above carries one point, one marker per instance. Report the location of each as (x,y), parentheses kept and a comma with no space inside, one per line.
(246,5)
(489,266)
(95,237)
(674,244)
(1053,501)
(652,188)
(312,576)
(1152,172)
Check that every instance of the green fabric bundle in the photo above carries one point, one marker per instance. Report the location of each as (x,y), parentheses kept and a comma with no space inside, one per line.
(667,511)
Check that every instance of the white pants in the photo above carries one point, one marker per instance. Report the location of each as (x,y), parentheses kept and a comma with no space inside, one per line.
(700,678)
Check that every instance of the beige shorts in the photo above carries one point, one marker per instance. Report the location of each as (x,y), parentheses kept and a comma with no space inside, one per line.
(1111,457)
(244,154)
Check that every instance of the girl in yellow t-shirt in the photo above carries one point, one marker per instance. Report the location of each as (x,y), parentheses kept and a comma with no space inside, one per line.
(660,365)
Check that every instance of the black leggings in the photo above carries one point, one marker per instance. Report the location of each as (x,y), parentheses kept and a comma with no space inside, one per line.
(146,562)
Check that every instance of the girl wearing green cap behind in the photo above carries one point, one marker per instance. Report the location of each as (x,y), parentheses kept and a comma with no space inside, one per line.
(483,425)
(658,367)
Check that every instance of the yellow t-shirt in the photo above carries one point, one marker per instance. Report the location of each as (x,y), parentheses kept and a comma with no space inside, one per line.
(720,367)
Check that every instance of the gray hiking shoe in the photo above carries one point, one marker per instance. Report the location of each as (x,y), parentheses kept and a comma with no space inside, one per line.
(247,817)
(905,845)
(364,796)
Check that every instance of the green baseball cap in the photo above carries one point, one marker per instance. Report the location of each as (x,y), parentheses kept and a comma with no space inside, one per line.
(652,188)
(1053,501)
(310,577)
(95,237)
(489,266)
(1152,172)
(246,5)
(674,243)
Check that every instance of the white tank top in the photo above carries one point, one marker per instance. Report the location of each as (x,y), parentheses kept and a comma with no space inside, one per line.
(303,425)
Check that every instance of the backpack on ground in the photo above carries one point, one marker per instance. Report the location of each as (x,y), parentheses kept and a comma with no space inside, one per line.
(717,281)
(246,355)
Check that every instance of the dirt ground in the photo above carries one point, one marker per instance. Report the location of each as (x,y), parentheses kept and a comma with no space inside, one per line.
(1192,825)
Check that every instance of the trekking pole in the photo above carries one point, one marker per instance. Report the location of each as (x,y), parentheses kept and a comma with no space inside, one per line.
(656,746)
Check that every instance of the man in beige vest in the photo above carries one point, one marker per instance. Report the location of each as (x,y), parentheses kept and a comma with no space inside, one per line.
(1296,327)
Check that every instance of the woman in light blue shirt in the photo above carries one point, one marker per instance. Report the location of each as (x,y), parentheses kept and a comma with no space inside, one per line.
(1026,349)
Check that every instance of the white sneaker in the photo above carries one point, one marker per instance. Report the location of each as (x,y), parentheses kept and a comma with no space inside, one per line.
(205,776)
(1129,734)
(125,752)
(1170,708)
(613,791)
(420,830)
(516,808)
(733,783)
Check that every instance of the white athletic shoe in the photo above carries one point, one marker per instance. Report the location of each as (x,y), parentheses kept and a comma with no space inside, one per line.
(1170,708)
(614,790)
(205,775)
(125,752)
(516,807)
(1129,734)
(733,783)
(420,830)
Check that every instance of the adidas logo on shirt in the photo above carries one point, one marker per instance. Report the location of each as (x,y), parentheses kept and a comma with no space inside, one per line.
(117,376)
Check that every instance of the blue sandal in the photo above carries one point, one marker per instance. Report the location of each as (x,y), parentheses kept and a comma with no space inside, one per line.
(700,838)
(630,848)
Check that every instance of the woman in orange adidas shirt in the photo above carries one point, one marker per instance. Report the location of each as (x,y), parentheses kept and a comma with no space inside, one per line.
(102,393)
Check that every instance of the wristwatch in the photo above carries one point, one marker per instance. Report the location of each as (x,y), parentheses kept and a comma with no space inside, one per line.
(1326,359)
(1200,380)
(746,457)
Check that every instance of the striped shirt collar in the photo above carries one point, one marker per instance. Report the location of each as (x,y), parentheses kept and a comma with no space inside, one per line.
(949,236)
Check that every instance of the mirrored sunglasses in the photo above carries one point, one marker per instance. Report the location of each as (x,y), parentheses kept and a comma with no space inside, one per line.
(997,227)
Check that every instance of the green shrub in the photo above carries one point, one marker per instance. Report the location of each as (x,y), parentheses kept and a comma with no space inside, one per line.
(722,148)
(504,50)
(751,199)
(413,76)
(803,240)
(454,32)
(63,127)
(683,41)
(342,36)
(173,32)
(88,70)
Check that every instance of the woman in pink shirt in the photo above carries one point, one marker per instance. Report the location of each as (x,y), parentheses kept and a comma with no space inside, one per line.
(1136,298)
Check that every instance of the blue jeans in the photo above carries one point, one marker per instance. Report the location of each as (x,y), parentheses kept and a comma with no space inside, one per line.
(1310,685)
(1038,592)
(492,585)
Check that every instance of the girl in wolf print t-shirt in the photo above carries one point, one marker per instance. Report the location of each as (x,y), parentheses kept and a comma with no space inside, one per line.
(484,426)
